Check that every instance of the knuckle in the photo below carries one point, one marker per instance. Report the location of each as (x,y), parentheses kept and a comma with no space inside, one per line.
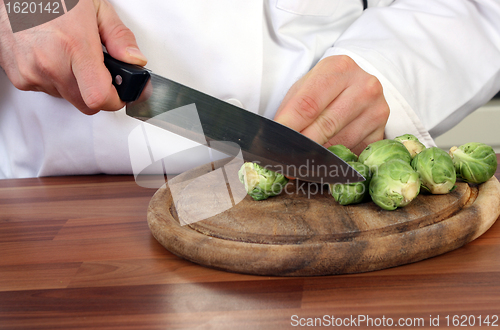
(25,79)
(307,107)
(327,126)
(373,87)
(20,83)
(120,31)
(69,43)
(45,67)
(343,63)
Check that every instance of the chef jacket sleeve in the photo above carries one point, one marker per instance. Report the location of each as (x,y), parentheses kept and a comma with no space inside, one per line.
(437,60)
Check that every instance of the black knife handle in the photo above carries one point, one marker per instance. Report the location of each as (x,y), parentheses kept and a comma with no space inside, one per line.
(128,79)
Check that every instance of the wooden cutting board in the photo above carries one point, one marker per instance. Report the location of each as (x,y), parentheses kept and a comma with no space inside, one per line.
(304,232)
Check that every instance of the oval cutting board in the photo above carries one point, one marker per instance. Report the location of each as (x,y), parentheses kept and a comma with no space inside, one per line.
(301,233)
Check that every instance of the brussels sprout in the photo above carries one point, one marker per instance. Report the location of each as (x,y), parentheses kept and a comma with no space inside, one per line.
(380,152)
(261,183)
(411,143)
(394,185)
(474,162)
(352,193)
(343,152)
(436,170)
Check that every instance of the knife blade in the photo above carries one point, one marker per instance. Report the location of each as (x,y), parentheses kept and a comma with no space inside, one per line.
(271,144)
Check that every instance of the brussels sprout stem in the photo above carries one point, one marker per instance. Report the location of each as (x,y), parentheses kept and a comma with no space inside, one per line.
(250,178)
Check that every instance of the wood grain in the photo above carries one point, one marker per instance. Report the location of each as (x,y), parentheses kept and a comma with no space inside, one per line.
(100,268)
(297,218)
(304,234)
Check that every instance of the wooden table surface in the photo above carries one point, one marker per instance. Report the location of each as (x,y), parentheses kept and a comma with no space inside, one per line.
(76,252)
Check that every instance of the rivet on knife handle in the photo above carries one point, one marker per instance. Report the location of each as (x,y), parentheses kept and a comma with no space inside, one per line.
(128,79)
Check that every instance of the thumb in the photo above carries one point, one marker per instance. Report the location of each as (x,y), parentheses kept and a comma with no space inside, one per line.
(119,40)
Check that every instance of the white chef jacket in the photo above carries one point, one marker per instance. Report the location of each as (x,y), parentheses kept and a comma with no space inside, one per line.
(437,61)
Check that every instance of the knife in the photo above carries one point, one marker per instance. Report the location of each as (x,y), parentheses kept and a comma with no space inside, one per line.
(271,144)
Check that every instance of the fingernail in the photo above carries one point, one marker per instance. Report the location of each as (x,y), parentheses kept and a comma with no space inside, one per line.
(136,53)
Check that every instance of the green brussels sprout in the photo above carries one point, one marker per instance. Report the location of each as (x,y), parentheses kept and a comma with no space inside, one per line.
(380,152)
(395,184)
(344,153)
(474,162)
(261,183)
(411,143)
(352,193)
(436,170)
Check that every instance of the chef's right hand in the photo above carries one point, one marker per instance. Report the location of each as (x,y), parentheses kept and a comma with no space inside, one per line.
(64,57)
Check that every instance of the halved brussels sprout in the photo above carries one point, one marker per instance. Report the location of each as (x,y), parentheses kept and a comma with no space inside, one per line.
(474,162)
(436,170)
(261,183)
(394,185)
(411,143)
(343,152)
(352,193)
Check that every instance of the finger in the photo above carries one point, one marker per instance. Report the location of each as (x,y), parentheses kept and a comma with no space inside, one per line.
(87,64)
(120,42)
(360,142)
(71,92)
(57,78)
(94,80)
(363,130)
(375,136)
(338,114)
(364,100)
(66,86)
(291,92)
(37,72)
(314,95)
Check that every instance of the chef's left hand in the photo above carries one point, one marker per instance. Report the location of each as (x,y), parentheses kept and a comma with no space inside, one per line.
(336,103)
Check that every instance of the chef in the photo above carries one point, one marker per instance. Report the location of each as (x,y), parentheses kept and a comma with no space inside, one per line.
(328,68)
